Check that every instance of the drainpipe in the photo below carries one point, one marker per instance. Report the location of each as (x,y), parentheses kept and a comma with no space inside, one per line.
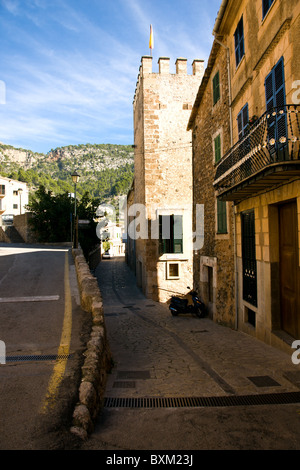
(217,24)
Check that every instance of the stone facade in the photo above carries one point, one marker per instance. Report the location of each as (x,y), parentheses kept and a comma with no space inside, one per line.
(262,38)
(163,174)
(210,123)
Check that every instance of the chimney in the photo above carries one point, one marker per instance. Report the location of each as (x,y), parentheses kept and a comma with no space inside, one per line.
(181,66)
(164,65)
(198,67)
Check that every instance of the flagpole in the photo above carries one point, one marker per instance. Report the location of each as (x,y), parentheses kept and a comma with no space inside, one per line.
(151,40)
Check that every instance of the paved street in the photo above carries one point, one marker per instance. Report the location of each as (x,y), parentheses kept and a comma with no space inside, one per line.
(41,325)
(159,356)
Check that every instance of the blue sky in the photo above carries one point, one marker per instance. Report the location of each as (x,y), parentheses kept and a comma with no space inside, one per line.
(68,68)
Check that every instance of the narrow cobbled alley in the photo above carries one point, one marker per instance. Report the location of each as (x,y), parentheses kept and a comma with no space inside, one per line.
(188,383)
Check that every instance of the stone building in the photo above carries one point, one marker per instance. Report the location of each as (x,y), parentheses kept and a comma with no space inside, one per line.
(260,173)
(163,185)
(210,124)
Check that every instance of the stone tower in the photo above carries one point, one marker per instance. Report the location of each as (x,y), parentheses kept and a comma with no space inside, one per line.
(163,176)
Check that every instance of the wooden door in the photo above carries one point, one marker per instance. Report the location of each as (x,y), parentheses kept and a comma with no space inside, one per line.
(289,269)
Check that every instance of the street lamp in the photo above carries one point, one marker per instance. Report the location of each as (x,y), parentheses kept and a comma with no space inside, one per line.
(20,190)
(75,179)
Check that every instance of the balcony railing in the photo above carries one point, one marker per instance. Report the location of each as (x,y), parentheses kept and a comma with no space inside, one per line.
(270,142)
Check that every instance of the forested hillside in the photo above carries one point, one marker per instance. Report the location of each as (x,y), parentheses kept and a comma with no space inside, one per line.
(106,170)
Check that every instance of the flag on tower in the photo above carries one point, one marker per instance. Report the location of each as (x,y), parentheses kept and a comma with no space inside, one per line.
(151,41)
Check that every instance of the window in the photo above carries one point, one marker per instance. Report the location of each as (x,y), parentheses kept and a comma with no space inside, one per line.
(173,271)
(221,217)
(217,148)
(275,98)
(216,88)
(2,189)
(239,42)
(266,5)
(15,193)
(15,206)
(242,121)
(170,234)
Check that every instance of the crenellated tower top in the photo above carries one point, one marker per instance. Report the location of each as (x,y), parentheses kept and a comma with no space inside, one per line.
(164,69)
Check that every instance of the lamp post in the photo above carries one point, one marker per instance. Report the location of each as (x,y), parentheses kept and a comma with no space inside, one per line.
(20,190)
(75,179)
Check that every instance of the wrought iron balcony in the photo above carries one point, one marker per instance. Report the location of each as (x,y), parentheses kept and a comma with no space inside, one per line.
(266,156)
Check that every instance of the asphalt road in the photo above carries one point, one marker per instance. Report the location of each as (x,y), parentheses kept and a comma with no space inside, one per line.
(42,327)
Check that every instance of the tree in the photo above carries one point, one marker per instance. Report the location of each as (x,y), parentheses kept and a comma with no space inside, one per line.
(52,216)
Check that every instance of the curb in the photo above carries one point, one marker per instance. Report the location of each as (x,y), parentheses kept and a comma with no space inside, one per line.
(97,361)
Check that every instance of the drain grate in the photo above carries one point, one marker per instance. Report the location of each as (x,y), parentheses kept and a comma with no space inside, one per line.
(134,374)
(194,402)
(124,384)
(264,381)
(49,357)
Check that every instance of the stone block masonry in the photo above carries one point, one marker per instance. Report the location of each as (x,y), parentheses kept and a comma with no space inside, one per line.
(163,167)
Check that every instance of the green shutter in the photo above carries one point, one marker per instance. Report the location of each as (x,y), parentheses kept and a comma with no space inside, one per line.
(217,144)
(216,87)
(221,217)
(170,234)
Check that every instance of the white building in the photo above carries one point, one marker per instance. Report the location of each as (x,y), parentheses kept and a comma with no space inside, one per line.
(113,235)
(13,199)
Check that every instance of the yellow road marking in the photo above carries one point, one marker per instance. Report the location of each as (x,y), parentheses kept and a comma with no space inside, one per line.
(64,347)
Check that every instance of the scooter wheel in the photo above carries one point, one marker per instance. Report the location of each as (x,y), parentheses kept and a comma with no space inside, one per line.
(200,312)
(174,313)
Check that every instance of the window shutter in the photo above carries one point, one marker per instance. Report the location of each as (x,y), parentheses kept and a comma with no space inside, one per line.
(239,42)
(216,88)
(221,217)
(280,99)
(242,121)
(275,98)
(266,4)
(217,142)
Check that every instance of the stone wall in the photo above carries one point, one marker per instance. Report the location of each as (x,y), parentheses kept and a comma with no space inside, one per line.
(22,225)
(213,264)
(97,361)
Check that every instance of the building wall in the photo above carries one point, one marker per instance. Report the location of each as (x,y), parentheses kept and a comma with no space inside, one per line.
(214,263)
(266,42)
(267,313)
(163,169)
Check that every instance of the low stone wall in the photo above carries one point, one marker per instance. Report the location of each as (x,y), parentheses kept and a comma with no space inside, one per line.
(3,237)
(22,225)
(97,361)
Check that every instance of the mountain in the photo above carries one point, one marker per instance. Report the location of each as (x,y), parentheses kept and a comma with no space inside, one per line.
(106,170)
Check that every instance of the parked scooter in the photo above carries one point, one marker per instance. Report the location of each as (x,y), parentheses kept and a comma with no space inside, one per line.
(181,306)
